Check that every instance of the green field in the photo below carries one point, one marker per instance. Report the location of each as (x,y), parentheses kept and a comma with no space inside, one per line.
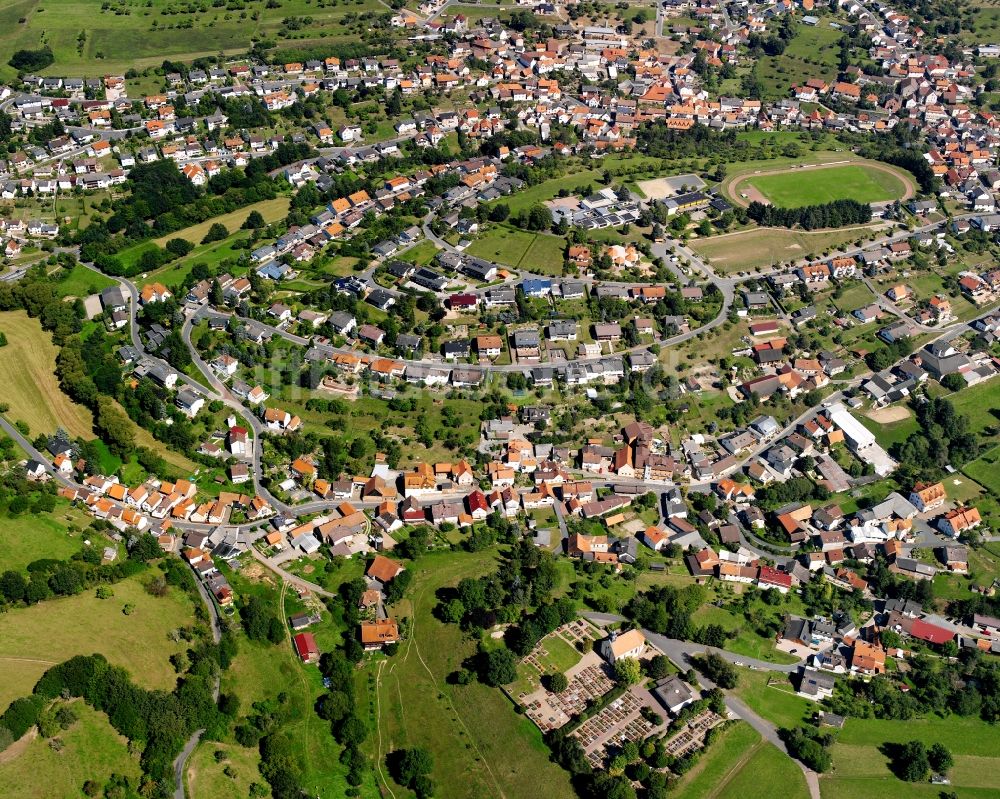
(130,34)
(860,769)
(984,469)
(480,746)
(735,765)
(82,282)
(206,776)
(816,186)
(28,382)
(535,252)
(776,702)
(746,783)
(889,433)
(746,642)
(271,210)
(31,537)
(92,750)
(812,53)
(34,638)
(758,248)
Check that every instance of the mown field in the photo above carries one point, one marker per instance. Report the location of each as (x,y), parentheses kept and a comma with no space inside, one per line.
(34,638)
(861,769)
(816,186)
(733,767)
(812,53)
(271,210)
(28,382)
(763,247)
(536,252)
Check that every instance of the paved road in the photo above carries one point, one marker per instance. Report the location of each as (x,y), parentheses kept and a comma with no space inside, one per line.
(680,651)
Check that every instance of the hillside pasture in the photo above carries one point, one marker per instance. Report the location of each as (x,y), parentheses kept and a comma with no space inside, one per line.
(28,381)
(36,637)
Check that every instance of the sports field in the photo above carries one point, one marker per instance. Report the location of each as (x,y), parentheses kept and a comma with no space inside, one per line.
(814,185)
(764,247)
(28,381)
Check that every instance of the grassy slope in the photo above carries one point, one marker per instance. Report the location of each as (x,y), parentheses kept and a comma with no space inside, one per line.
(27,538)
(91,750)
(206,777)
(118,41)
(32,639)
(271,210)
(28,383)
(480,746)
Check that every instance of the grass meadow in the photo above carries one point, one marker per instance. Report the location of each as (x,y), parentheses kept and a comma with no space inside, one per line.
(28,382)
(34,638)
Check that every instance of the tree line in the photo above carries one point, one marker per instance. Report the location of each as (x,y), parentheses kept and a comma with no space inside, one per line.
(839,213)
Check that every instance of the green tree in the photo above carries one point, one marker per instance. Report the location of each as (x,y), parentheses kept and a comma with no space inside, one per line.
(499,667)
(940,758)
(557,683)
(912,762)
(217,232)
(628,671)
(254,221)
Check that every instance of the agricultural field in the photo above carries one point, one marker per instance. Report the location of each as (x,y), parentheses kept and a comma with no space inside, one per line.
(91,750)
(760,248)
(480,746)
(34,638)
(91,37)
(28,381)
(861,182)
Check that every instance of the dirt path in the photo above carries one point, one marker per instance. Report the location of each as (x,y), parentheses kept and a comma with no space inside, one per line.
(734,189)
(16,749)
